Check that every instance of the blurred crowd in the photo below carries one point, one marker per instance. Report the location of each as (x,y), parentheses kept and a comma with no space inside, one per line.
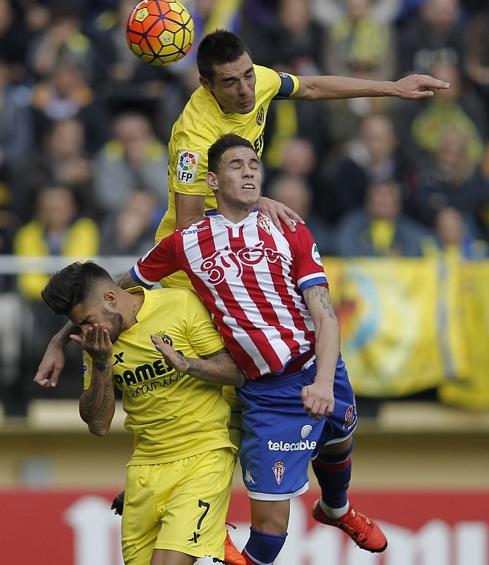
(84,128)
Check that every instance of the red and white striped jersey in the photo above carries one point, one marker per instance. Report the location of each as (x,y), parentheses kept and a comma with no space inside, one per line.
(251,278)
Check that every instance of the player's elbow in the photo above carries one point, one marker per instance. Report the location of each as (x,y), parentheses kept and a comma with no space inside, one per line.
(308,89)
(239,379)
(98,429)
(95,426)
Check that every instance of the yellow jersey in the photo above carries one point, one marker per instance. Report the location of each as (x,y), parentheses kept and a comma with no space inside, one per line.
(201,123)
(80,240)
(171,415)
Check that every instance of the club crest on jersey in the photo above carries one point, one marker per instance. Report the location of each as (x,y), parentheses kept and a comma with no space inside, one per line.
(263,222)
(165,338)
(316,256)
(260,117)
(350,417)
(279,470)
(187,166)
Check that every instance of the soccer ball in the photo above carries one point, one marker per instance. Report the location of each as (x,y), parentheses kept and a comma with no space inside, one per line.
(160,32)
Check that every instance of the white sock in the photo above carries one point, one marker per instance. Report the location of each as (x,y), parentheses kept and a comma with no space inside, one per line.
(334,513)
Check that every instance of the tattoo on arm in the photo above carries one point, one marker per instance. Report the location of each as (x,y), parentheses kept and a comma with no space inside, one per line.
(218,368)
(320,294)
(97,403)
(125,281)
(100,364)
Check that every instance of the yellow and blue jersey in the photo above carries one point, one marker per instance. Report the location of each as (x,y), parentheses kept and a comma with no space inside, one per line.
(202,123)
(171,415)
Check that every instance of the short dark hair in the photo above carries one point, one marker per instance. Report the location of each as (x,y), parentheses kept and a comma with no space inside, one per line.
(218,48)
(71,286)
(224,143)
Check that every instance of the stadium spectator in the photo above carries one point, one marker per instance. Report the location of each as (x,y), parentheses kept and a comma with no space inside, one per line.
(15,117)
(65,95)
(131,230)
(455,108)
(361,46)
(372,156)
(380,229)
(132,159)
(298,39)
(299,158)
(297,195)
(296,157)
(61,42)
(182,464)
(435,34)
(451,179)
(61,160)
(453,239)
(55,231)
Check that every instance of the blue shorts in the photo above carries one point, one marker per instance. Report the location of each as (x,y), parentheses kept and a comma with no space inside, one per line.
(280,438)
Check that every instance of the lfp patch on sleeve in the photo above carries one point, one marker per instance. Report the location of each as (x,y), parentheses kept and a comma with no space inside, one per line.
(187,166)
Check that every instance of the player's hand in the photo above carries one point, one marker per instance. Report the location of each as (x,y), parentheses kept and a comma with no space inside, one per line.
(414,87)
(95,340)
(318,400)
(118,503)
(51,366)
(172,357)
(278,212)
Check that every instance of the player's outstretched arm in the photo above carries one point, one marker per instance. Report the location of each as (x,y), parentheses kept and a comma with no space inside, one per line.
(97,402)
(53,359)
(411,87)
(218,368)
(318,398)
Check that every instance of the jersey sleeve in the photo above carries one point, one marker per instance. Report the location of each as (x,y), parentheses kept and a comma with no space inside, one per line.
(288,86)
(307,264)
(273,85)
(160,261)
(87,370)
(201,332)
(188,155)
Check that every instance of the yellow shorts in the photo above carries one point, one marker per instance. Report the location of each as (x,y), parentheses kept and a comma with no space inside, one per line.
(179,506)
(235,430)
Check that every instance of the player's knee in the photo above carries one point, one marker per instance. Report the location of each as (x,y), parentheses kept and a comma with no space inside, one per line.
(341,448)
(270,516)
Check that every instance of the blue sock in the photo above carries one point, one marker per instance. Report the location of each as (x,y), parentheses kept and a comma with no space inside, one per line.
(333,473)
(263,548)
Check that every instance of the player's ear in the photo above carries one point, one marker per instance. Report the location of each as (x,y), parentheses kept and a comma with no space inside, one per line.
(211,179)
(110,297)
(206,83)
